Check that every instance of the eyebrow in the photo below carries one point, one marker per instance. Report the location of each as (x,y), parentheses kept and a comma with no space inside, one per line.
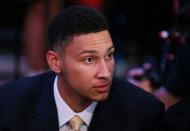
(112,47)
(94,51)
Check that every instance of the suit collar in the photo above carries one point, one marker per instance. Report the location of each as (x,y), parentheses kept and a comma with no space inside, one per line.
(46,113)
(64,110)
(105,118)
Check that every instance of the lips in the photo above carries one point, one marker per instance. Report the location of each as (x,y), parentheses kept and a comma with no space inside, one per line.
(103,88)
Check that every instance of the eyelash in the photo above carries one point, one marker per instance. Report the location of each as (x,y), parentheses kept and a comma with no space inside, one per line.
(93,59)
(110,55)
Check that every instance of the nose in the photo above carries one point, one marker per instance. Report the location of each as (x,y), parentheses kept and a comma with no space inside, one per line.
(104,70)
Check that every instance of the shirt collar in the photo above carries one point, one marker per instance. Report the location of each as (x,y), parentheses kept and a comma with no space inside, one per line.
(65,113)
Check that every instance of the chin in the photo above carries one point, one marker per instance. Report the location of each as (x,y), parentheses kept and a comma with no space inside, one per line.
(101,97)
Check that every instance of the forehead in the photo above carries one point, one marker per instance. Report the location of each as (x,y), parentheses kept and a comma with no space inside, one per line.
(99,41)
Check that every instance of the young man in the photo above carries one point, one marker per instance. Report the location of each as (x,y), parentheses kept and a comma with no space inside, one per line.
(80,84)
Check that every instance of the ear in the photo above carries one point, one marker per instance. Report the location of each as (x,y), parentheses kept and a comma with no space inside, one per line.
(54,61)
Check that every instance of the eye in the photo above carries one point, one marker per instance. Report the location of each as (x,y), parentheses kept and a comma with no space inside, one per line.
(89,60)
(110,55)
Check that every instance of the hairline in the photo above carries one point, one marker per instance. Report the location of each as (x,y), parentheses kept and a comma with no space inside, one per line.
(63,43)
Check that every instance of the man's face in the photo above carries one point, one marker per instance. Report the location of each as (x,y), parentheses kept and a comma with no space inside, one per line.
(87,66)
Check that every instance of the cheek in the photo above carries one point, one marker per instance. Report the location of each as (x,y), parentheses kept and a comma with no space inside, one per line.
(81,73)
(81,80)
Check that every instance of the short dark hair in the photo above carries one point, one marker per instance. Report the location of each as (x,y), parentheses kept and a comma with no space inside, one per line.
(75,20)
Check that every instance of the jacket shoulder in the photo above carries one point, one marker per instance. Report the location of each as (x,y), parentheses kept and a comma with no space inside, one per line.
(131,97)
(23,89)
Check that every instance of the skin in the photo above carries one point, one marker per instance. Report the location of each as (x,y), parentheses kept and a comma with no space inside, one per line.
(85,69)
(167,98)
(34,37)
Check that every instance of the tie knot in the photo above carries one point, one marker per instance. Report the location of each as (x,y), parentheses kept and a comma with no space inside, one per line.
(75,123)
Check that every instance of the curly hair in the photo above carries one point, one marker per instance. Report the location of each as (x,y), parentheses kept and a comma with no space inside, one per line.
(75,20)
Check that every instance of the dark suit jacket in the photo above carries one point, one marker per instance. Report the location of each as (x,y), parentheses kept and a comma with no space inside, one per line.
(28,105)
(177,117)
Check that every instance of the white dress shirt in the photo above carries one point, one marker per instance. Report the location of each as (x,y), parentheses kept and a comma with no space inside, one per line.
(65,113)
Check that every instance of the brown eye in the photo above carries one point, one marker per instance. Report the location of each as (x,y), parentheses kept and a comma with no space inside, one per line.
(89,60)
(110,55)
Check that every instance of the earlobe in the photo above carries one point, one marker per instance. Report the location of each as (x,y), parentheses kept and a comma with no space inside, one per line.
(54,61)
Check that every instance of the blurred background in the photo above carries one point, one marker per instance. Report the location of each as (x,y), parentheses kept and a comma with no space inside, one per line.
(142,30)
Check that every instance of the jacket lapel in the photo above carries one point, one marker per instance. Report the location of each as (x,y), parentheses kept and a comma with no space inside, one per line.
(105,118)
(45,118)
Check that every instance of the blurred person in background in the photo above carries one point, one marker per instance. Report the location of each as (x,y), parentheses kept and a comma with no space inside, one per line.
(36,19)
(145,75)
(178,73)
(176,92)
(34,37)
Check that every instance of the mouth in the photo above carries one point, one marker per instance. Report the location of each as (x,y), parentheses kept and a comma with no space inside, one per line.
(102,88)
